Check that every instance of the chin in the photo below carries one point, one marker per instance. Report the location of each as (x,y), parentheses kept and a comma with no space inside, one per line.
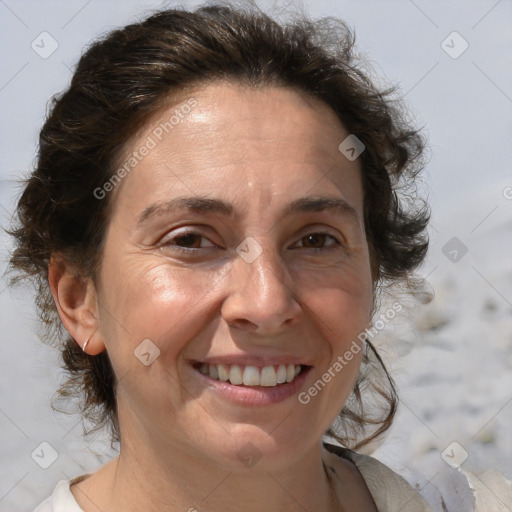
(250,447)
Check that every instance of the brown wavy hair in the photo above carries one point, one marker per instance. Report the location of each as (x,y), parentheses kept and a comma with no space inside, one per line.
(123,78)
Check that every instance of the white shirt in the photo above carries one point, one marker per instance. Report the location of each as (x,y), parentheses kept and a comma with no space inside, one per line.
(62,500)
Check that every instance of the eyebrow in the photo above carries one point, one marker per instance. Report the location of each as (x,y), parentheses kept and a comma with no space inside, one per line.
(204,206)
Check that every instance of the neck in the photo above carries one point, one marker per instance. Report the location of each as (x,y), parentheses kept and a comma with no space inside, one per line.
(188,482)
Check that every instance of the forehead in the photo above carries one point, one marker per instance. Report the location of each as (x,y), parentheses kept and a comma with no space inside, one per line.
(250,117)
(224,138)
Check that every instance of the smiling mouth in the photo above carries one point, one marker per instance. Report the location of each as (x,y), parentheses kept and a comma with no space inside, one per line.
(239,375)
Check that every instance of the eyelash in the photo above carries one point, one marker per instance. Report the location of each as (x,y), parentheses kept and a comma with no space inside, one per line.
(170,242)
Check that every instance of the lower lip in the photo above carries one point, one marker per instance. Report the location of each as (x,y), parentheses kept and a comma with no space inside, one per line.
(255,395)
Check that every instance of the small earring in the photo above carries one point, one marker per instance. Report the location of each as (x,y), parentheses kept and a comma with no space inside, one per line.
(85,344)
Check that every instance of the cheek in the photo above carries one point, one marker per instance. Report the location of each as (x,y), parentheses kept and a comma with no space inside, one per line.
(343,318)
(144,299)
(150,300)
(341,298)
(341,304)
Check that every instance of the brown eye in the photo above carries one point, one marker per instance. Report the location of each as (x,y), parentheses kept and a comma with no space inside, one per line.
(190,240)
(317,241)
(187,241)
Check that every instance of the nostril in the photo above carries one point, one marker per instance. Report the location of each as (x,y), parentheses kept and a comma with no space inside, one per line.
(243,323)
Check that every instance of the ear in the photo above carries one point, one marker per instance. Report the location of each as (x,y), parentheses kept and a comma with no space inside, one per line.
(77,305)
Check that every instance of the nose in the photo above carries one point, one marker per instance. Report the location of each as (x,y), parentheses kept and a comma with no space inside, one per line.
(261,296)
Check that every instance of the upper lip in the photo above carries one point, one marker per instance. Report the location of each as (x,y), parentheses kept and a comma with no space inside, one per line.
(251,360)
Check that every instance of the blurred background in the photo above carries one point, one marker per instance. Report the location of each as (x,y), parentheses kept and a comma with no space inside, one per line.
(452,359)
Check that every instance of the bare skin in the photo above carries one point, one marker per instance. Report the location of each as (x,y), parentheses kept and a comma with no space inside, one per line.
(174,276)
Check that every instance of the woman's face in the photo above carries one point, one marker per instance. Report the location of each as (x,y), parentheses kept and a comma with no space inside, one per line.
(235,248)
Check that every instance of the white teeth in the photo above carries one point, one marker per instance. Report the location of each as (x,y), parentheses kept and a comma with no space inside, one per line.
(290,372)
(223,372)
(251,375)
(235,375)
(268,376)
(281,374)
(213,372)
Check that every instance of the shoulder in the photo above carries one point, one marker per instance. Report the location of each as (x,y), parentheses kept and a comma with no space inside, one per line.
(491,491)
(390,491)
(456,489)
(61,500)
